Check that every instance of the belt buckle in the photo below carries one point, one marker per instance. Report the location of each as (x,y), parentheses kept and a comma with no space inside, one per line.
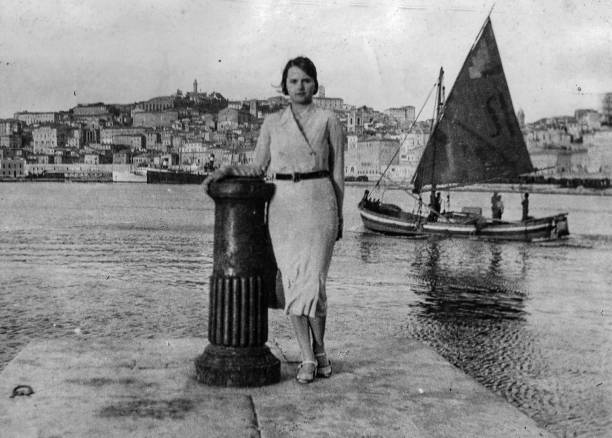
(295,177)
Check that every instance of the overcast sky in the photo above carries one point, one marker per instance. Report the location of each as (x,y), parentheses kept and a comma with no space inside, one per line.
(557,54)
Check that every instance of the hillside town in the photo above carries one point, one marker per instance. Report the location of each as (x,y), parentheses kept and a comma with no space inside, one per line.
(198,131)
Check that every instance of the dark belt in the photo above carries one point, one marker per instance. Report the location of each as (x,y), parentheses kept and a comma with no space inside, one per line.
(298,176)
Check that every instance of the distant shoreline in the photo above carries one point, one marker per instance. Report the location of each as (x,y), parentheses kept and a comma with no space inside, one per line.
(545,189)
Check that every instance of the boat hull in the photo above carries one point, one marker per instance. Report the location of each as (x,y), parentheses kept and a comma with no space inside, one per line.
(174,177)
(406,224)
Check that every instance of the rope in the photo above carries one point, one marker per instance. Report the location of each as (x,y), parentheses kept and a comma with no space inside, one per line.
(409,129)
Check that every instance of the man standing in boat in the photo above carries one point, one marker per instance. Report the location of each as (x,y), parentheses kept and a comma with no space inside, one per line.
(525,205)
(435,204)
(497,206)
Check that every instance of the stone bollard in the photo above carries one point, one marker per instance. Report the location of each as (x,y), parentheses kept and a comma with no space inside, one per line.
(243,273)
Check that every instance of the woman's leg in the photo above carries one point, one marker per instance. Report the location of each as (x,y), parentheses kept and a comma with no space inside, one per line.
(302,332)
(317,325)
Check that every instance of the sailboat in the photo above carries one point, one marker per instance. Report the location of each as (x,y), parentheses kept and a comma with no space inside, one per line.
(475,138)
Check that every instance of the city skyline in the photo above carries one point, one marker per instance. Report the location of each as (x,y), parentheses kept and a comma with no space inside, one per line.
(384,54)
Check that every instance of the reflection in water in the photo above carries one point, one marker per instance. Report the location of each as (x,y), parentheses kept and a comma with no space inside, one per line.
(369,247)
(450,293)
(474,315)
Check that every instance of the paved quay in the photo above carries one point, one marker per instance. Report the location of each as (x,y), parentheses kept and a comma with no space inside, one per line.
(381,387)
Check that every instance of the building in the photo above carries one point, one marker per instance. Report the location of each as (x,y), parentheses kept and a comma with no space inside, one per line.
(599,151)
(370,157)
(412,147)
(232,118)
(157,104)
(354,121)
(588,119)
(10,141)
(404,115)
(10,126)
(12,168)
(606,109)
(45,139)
(153,140)
(548,138)
(29,118)
(94,115)
(134,141)
(158,119)
(331,103)
(107,134)
(122,157)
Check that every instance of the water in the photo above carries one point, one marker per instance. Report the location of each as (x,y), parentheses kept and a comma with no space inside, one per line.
(532,321)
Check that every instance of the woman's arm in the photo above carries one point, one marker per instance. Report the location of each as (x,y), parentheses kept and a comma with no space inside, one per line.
(337,140)
(260,163)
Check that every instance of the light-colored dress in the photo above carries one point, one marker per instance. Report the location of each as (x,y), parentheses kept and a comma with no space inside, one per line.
(303,216)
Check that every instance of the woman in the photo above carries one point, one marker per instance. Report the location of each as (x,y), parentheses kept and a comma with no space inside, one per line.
(302,149)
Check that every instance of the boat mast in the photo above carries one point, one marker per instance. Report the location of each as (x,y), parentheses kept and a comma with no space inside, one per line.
(438,113)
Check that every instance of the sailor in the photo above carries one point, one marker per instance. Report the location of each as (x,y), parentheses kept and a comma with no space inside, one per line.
(525,205)
(497,206)
(434,206)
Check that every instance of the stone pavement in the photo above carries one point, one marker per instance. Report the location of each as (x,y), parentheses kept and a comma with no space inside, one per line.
(381,387)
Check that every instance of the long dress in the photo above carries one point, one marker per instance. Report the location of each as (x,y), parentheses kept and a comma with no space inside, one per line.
(303,216)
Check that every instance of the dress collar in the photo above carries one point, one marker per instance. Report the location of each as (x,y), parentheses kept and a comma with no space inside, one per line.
(287,115)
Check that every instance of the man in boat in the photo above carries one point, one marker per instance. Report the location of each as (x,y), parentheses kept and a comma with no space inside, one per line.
(435,203)
(525,205)
(497,206)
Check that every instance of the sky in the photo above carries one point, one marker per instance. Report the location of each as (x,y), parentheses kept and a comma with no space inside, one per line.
(54,54)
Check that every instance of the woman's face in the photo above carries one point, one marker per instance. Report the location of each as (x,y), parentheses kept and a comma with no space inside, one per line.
(300,86)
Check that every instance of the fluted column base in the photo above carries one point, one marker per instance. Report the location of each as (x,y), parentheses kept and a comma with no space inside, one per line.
(237,367)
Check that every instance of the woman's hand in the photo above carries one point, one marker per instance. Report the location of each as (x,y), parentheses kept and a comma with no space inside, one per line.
(217,175)
(225,171)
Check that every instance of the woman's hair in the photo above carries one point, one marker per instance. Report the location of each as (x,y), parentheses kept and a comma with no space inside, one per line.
(304,64)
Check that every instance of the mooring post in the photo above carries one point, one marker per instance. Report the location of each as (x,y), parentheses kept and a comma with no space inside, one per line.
(243,273)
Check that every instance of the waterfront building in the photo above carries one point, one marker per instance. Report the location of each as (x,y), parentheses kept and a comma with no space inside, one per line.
(122,157)
(12,168)
(412,147)
(91,159)
(599,150)
(370,156)
(194,153)
(142,160)
(152,140)
(588,119)
(35,118)
(134,141)
(548,138)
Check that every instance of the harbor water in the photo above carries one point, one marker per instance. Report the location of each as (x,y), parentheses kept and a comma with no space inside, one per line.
(530,321)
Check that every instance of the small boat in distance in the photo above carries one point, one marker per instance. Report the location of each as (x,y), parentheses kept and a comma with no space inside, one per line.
(476,138)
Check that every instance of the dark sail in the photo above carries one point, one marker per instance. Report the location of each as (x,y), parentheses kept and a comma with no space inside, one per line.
(477,137)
